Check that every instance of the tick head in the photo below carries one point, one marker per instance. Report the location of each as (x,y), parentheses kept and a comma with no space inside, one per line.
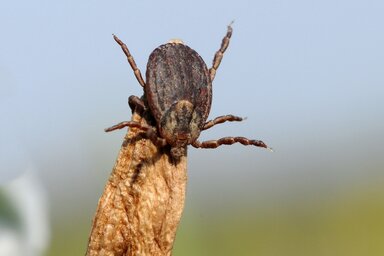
(180,125)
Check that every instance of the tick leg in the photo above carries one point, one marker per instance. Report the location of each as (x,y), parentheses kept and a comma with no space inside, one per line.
(131,61)
(131,124)
(150,132)
(135,102)
(221,119)
(220,53)
(228,141)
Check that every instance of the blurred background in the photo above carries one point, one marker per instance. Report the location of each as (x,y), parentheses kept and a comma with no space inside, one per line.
(308,75)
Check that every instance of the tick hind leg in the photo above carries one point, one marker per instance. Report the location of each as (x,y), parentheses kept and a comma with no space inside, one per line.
(229,141)
(150,132)
(131,61)
(131,124)
(220,120)
(220,53)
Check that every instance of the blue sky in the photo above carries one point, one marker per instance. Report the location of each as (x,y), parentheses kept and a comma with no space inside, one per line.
(308,75)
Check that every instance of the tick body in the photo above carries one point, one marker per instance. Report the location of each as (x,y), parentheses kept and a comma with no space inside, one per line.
(178,94)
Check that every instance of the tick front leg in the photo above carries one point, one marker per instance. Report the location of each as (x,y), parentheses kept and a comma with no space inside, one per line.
(229,141)
(221,119)
(150,132)
(220,53)
(131,61)
(135,103)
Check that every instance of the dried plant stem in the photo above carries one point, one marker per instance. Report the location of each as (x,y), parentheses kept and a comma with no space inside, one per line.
(143,200)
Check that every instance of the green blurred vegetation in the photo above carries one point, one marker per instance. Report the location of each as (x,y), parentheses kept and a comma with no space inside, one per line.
(350,222)
(8,214)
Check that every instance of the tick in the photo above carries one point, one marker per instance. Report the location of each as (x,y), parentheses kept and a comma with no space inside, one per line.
(178,94)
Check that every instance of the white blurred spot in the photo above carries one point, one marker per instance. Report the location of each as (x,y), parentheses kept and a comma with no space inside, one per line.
(30,235)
